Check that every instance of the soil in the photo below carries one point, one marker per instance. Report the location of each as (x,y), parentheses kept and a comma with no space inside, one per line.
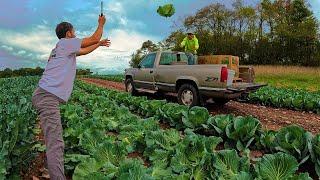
(164,125)
(110,133)
(37,170)
(271,118)
(104,83)
(139,155)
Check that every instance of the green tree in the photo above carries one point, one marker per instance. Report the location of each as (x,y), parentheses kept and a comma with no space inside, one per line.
(273,32)
(147,47)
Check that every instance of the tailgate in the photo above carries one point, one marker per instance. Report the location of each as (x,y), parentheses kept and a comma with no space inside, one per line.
(241,86)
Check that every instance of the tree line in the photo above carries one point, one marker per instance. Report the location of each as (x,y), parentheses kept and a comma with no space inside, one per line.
(274,32)
(6,73)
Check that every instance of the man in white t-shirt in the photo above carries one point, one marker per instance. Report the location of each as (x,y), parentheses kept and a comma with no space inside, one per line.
(55,87)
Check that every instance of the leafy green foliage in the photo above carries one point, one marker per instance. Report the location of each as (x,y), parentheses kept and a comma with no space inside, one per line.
(315,152)
(17,122)
(242,131)
(7,73)
(276,39)
(288,98)
(294,140)
(276,166)
(195,117)
(268,139)
(102,137)
(228,165)
(173,113)
(72,160)
(87,169)
(133,169)
(219,124)
(166,10)
(301,176)
(193,155)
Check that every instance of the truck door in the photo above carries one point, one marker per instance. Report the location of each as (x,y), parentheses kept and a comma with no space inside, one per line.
(144,76)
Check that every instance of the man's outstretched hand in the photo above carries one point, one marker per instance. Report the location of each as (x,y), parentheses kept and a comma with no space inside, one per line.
(102,20)
(105,42)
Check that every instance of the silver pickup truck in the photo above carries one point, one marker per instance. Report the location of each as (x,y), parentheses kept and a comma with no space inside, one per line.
(162,72)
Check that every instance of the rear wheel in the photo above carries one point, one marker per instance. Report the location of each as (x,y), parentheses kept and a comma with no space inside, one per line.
(130,87)
(188,95)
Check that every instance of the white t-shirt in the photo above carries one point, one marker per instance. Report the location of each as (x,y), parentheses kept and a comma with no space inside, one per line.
(59,74)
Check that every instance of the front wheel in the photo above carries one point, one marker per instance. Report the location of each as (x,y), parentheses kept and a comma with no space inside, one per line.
(130,87)
(188,95)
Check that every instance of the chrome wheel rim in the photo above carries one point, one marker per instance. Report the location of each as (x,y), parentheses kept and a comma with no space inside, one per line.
(129,88)
(187,97)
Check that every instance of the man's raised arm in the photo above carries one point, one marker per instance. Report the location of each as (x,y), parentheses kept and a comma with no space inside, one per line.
(95,38)
(89,49)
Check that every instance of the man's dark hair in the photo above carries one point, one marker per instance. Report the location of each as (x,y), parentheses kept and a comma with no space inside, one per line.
(62,29)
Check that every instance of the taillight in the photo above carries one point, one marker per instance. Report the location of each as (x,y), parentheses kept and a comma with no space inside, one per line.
(224,74)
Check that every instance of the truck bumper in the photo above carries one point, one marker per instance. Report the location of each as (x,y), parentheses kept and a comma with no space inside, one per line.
(230,92)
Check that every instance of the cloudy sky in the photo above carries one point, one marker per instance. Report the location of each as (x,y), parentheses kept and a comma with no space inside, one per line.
(27,28)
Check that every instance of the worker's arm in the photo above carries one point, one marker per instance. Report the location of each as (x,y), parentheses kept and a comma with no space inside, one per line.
(196,43)
(96,36)
(89,49)
(183,43)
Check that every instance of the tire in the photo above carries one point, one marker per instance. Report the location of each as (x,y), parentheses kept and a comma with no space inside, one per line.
(188,95)
(221,102)
(130,87)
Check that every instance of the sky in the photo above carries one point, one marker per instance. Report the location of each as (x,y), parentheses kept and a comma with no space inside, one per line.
(27,28)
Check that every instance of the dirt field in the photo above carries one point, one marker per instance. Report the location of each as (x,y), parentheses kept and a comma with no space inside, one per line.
(271,118)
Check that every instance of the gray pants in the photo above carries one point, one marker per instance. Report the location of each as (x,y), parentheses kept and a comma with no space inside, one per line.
(47,106)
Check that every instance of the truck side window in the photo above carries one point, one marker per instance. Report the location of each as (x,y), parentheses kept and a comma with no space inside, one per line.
(166,59)
(148,61)
(184,58)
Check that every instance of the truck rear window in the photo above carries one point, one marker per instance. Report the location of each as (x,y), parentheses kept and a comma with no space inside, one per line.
(167,59)
(170,58)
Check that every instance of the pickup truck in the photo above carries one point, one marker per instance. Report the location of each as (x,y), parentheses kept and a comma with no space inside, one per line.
(166,71)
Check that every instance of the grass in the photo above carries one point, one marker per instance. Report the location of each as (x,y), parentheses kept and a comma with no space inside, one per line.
(294,77)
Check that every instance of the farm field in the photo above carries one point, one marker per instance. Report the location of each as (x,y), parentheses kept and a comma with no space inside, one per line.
(292,77)
(291,87)
(112,135)
(160,90)
(271,117)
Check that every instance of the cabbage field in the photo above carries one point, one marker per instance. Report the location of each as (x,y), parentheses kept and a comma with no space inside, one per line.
(18,144)
(112,135)
(287,98)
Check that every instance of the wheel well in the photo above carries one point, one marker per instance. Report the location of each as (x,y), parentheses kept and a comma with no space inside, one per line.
(180,82)
(128,77)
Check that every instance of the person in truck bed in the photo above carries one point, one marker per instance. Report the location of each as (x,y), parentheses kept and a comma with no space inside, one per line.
(55,87)
(191,45)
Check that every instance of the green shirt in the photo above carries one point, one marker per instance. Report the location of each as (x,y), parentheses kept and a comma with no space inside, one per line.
(190,45)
